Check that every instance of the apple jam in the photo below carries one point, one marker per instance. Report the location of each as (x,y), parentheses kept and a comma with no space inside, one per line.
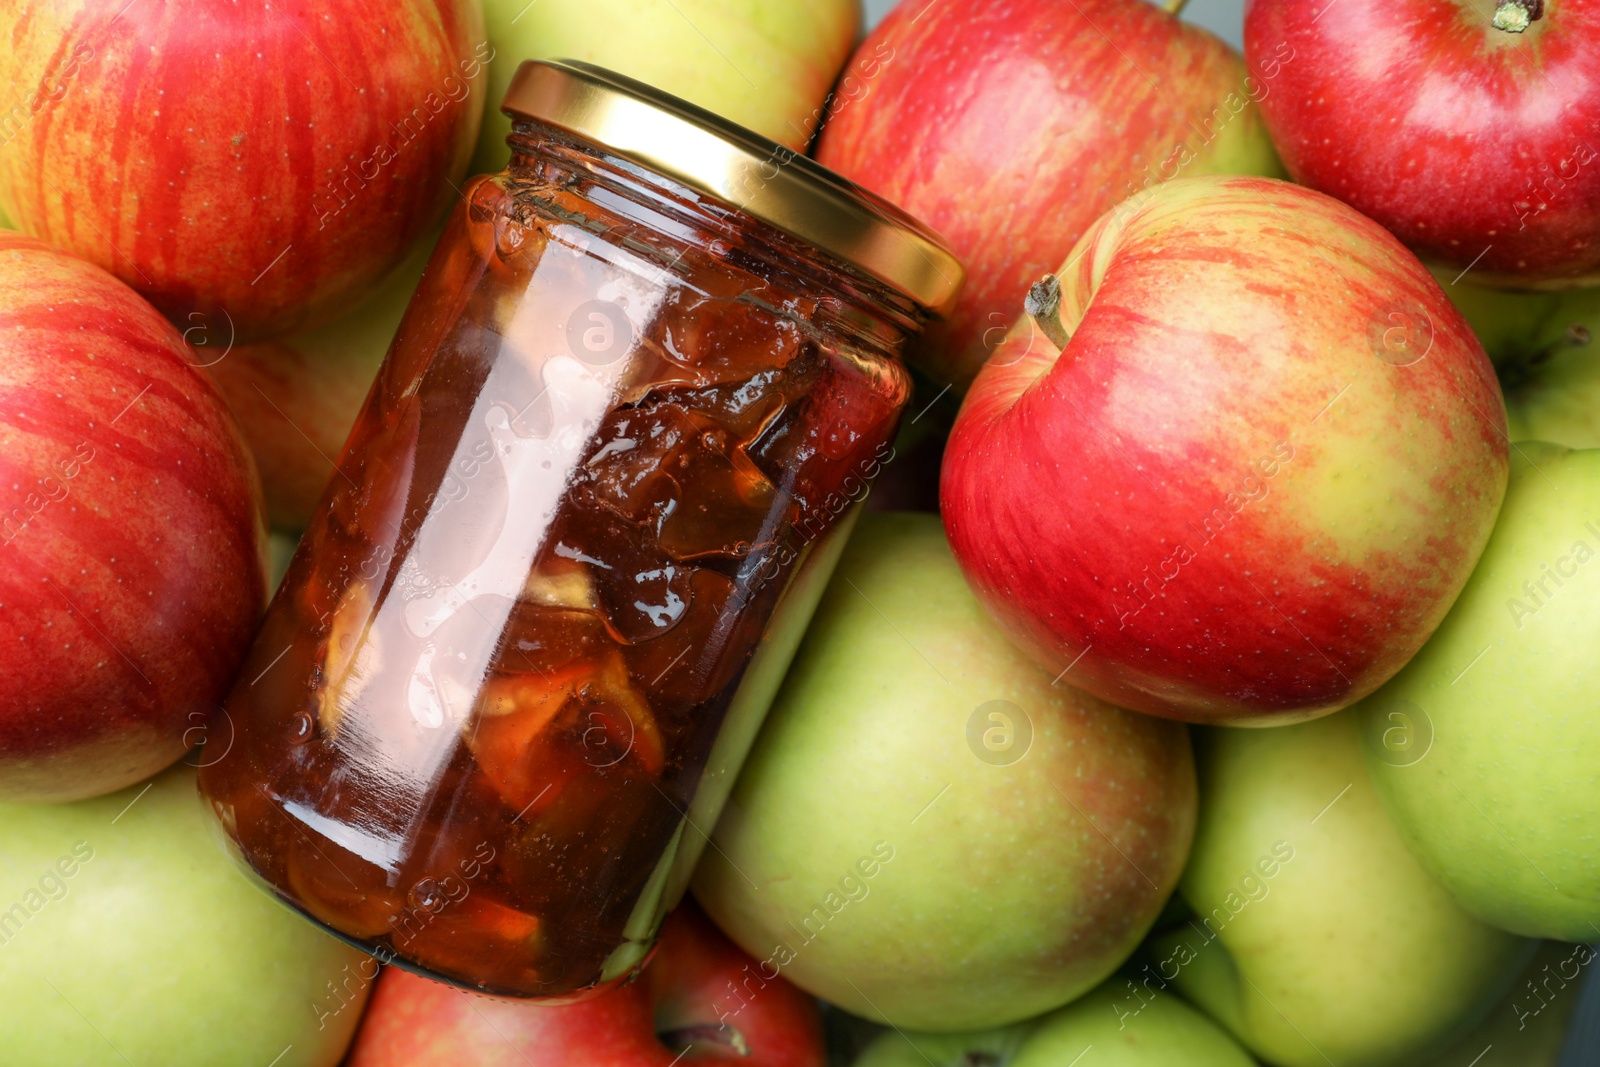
(493,711)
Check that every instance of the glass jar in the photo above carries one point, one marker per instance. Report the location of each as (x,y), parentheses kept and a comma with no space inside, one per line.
(493,712)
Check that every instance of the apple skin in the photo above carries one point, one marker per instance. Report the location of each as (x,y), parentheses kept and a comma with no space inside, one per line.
(1546,349)
(132,547)
(1518,326)
(766,64)
(192,146)
(1528,1028)
(1552,379)
(1501,803)
(155,950)
(1167,1031)
(956,893)
(1009,128)
(1255,479)
(1462,139)
(686,995)
(1318,937)
(297,397)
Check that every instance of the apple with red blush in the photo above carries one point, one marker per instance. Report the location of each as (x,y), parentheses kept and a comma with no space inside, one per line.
(699,1000)
(251,169)
(1469,130)
(1238,464)
(1009,128)
(132,546)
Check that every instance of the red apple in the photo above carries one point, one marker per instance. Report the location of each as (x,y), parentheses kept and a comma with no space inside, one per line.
(700,1000)
(1010,127)
(132,548)
(250,168)
(296,397)
(1469,130)
(1256,475)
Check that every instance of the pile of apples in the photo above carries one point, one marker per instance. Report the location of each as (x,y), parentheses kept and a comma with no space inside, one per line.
(1212,680)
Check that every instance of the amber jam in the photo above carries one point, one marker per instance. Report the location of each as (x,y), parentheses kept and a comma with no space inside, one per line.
(497,703)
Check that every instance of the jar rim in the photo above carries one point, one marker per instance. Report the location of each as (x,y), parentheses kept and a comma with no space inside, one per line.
(723,160)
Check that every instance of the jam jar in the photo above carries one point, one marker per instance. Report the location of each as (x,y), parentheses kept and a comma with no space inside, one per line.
(572,542)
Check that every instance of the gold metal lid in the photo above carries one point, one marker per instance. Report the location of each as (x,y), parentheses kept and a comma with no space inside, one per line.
(714,156)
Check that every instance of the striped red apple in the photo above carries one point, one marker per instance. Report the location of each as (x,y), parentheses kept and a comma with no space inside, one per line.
(132,548)
(1252,471)
(1009,128)
(250,168)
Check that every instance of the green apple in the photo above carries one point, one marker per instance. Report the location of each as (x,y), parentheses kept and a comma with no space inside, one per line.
(765,64)
(1124,1029)
(928,831)
(1484,747)
(1528,1028)
(1318,937)
(129,939)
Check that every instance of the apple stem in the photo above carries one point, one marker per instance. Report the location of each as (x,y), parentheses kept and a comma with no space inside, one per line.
(1043,305)
(1515,16)
(1520,371)
(1174,7)
(1577,336)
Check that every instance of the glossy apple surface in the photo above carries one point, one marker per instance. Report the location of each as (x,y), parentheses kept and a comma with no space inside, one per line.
(1484,746)
(700,1000)
(131,536)
(765,64)
(1317,937)
(1257,475)
(927,831)
(249,168)
(1009,128)
(127,937)
(1475,144)
(1165,1031)
(296,397)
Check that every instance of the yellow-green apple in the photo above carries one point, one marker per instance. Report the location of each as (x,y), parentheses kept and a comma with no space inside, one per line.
(1157,1031)
(765,64)
(928,831)
(128,937)
(1009,128)
(1528,1028)
(700,1000)
(1484,747)
(1470,130)
(1317,937)
(132,547)
(296,397)
(1243,469)
(249,168)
